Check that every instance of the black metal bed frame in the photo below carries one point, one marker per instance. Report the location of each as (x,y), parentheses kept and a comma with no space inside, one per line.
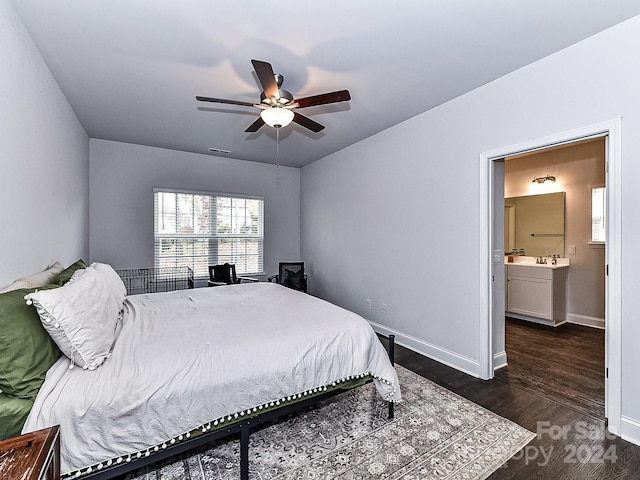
(243,427)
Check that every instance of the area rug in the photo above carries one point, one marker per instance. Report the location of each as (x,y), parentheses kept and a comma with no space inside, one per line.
(435,434)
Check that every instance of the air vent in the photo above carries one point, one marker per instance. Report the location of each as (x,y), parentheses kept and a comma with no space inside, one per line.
(219,150)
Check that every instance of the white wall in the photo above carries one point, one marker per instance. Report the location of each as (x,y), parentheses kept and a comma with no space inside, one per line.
(44,167)
(395,218)
(122,178)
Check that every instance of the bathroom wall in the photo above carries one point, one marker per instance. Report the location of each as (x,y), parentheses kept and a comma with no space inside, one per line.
(576,168)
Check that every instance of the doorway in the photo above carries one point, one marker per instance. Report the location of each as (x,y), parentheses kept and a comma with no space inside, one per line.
(492,263)
(548,211)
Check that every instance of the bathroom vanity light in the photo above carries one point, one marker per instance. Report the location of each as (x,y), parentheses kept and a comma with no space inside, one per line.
(548,178)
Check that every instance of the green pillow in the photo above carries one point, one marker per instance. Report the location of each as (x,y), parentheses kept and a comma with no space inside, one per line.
(13,414)
(68,272)
(26,349)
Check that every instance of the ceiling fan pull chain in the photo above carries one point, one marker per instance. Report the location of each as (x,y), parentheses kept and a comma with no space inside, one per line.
(277,147)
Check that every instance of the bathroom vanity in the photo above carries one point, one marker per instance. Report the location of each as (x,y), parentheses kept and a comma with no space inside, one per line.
(537,292)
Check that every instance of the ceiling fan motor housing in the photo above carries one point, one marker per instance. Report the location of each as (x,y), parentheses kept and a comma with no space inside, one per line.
(285,98)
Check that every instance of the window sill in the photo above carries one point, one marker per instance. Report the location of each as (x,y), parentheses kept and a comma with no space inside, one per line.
(597,245)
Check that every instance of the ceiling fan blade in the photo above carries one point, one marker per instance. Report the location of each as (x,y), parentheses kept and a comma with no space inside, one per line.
(324,98)
(255,126)
(306,122)
(265,74)
(222,100)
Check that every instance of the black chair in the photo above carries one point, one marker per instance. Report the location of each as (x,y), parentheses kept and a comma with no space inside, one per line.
(225,274)
(291,274)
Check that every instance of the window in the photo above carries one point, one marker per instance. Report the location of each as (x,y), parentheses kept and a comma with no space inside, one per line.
(598,214)
(199,229)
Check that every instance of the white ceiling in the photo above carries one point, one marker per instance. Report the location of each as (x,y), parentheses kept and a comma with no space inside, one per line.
(131,68)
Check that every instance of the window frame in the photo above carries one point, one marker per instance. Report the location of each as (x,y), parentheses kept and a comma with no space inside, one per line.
(212,254)
(601,240)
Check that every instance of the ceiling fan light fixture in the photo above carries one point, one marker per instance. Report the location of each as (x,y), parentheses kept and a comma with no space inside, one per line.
(277,117)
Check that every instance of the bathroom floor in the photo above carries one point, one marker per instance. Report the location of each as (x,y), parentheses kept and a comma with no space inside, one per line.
(564,364)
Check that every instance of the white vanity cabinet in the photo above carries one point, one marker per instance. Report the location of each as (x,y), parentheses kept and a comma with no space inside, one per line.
(537,293)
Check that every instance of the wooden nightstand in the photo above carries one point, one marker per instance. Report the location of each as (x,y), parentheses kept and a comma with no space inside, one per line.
(32,456)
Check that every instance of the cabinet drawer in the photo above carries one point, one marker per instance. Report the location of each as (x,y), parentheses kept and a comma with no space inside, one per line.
(531,272)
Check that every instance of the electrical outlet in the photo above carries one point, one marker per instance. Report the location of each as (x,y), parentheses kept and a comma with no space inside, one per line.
(572,249)
(384,308)
(368,304)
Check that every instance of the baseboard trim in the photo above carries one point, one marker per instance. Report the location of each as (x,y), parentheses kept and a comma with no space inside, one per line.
(434,352)
(630,430)
(499,360)
(586,321)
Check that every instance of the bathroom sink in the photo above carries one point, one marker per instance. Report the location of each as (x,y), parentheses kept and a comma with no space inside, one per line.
(525,261)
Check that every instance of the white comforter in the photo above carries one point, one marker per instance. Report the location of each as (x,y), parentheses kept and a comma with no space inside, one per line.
(186,358)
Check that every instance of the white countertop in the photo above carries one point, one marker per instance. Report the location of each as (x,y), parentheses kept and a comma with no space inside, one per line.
(524,261)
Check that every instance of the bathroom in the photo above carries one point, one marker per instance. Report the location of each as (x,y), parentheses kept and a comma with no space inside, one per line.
(574,170)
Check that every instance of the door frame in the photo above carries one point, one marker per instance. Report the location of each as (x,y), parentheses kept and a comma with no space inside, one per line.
(611,130)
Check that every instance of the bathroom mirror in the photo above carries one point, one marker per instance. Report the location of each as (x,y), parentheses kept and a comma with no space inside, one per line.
(535,223)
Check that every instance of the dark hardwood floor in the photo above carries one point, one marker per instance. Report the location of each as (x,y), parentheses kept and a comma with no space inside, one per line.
(570,444)
(564,364)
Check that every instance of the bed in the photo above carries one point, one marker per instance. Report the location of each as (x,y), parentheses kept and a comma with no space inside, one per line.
(191,365)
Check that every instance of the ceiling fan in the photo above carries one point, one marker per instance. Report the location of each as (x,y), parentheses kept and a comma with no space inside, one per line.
(278,105)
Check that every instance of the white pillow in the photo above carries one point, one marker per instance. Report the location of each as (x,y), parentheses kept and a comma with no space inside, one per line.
(76,274)
(81,317)
(113,280)
(36,280)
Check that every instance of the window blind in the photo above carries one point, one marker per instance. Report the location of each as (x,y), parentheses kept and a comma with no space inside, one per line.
(200,229)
